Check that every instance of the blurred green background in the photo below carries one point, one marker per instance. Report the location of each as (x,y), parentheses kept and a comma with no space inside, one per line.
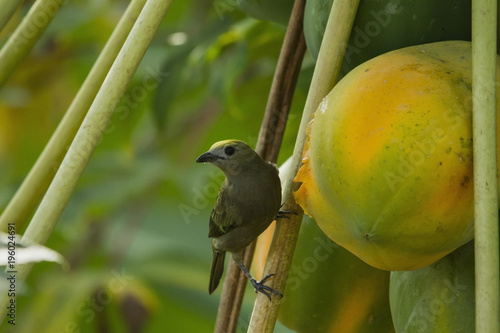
(135,230)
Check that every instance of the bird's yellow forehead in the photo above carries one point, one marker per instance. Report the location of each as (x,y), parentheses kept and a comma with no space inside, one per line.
(224,143)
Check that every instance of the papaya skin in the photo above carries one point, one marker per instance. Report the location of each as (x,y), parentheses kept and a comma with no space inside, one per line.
(436,298)
(387,169)
(385,25)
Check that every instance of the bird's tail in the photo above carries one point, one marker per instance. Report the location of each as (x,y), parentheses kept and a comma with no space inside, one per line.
(217,270)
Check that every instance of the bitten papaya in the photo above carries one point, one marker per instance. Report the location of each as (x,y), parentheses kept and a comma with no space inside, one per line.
(328,288)
(387,167)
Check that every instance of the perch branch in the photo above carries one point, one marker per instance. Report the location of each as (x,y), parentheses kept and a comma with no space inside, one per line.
(268,145)
(285,236)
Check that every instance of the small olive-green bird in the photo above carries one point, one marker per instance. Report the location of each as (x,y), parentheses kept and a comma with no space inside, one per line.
(248,201)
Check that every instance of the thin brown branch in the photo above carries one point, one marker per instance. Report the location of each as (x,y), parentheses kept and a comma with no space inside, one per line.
(283,87)
(268,145)
(325,76)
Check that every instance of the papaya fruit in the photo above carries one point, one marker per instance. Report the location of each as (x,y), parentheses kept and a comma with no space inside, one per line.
(387,166)
(436,298)
(385,25)
(328,288)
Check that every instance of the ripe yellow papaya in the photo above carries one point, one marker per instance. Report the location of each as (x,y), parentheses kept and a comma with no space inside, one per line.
(387,167)
(436,298)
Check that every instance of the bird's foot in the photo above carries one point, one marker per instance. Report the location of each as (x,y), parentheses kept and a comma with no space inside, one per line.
(261,287)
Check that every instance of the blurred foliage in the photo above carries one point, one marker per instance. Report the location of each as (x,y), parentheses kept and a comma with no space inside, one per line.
(135,230)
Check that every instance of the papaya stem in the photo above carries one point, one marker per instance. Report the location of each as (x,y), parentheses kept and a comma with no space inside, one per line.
(21,206)
(484,59)
(91,131)
(25,36)
(8,9)
(325,76)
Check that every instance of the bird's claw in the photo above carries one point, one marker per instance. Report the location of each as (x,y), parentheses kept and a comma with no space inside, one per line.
(261,287)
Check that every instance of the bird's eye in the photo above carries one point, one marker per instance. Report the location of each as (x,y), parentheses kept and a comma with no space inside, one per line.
(229,150)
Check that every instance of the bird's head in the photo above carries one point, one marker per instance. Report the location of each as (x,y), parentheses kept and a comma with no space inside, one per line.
(230,156)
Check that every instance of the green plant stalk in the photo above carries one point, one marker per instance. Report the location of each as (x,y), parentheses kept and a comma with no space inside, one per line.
(91,131)
(25,36)
(8,9)
(324,78)
(21,206)
(485,165)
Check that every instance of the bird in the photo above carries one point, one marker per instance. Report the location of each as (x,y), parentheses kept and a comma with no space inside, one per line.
(248,201)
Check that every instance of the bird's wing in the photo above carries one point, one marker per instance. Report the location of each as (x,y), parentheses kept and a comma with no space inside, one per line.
(221,220)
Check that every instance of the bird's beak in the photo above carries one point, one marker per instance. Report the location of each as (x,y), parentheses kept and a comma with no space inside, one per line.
(207,157)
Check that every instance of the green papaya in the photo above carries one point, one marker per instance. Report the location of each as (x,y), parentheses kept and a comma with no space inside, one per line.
(438,298)
(385,25)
